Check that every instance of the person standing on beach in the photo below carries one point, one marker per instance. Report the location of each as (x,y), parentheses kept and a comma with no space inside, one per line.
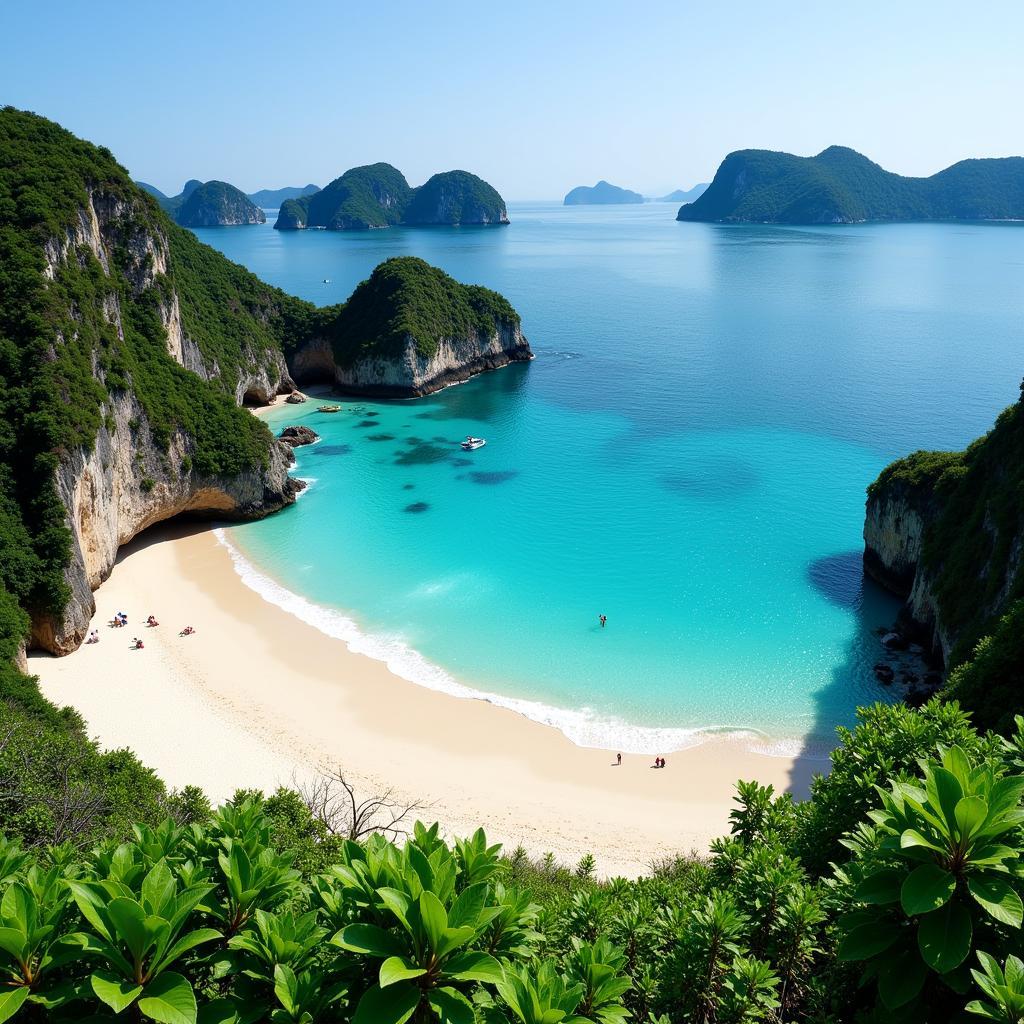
(618,759)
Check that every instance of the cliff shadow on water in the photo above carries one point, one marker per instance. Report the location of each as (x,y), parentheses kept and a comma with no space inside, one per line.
(840,579)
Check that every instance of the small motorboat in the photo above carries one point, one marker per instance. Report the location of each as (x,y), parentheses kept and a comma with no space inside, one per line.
(472,443)
(328,408)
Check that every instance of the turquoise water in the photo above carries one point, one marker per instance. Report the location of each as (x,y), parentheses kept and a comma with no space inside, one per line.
(687,455)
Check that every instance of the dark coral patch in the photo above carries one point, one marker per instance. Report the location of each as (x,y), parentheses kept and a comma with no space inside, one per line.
(417,506)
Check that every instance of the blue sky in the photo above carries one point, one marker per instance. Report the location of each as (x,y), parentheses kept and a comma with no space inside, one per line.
(537,97)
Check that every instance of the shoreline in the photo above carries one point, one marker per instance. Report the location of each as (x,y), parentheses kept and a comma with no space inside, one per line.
(579,725)
(259,698)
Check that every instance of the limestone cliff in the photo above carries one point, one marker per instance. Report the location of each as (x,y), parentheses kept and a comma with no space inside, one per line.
(945,531)
(126,483)
(411,329)
(894,527)
(414,374)
(125,479)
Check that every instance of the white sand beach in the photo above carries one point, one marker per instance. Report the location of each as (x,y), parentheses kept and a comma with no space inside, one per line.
(257,697)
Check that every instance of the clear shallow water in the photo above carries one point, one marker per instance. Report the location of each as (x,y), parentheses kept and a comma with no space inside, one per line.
(687,454)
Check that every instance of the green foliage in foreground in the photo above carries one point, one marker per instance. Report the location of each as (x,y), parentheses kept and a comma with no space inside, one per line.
(406,297)
(260,913)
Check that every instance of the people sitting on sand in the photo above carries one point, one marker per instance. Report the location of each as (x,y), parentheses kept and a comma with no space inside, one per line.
(151,621)
(137,644)
(659,762)
(94,637)
(187,631)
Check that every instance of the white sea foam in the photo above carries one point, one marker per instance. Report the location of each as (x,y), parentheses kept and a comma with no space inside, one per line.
(583,726)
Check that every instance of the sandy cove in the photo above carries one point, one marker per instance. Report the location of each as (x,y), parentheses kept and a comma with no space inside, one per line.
(258,697)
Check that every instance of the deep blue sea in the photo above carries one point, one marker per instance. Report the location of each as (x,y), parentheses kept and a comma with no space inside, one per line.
(687,455)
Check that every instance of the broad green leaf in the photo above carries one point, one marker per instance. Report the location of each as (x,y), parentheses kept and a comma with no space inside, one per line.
(158,888)
(10,1002)
(370,940)
(944,937)
(474,966)
(868,940)
(285,987)
(169,999)
(397,968)
(998,898)
(129,919)
(1005,796)
(187,942)
(434,918)
(944,792)
(89,903)
(12,941)
(392,1005)
(397,902)
(882,887)
(453,939)
(116,992)
(217,1011)
(1014,972)
(451,1006)
(970,814)
(911,838)
(926,888)
(976,1006)
(466,909)
(901,978)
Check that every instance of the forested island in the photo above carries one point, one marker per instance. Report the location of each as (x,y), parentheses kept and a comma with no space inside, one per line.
(840,186)
(208,204)
(126,350)
(600,194)
(378,196)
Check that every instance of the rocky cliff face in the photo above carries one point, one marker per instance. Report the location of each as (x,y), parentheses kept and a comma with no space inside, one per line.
(414,375)
(126,481)
(894,527)
(945,531)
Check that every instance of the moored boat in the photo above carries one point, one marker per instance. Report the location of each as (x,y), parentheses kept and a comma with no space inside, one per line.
(472,443)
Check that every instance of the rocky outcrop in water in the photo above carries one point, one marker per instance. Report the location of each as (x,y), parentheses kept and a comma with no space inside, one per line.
(297,436)
(455,360)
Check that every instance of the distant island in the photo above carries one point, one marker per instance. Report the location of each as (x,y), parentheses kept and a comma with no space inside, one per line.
(840,186)
(600,194)
(378,196)
(208,204)
(682,195)
(272,198)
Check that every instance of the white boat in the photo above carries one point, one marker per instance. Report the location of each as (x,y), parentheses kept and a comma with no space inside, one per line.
(472,443)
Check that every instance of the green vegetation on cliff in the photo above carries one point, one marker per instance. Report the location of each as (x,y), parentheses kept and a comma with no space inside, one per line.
(840,185)
(971,552)
(62,357)
(455,197)
(377,196)
(407,297)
